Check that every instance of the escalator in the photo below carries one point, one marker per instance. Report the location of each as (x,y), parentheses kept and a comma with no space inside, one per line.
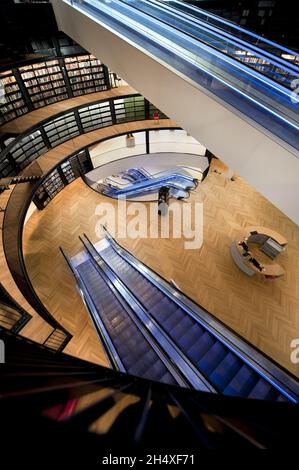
(224,36)
(179,185)
(222,364)
(230,367)
(255,40)
(135,174)
(129,347)
(259,84)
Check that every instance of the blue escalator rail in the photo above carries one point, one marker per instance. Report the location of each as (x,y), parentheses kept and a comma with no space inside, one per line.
(175,181)
(129,346)
(187,372)
(135,352)
(277,68)
(227,368)
(261,100)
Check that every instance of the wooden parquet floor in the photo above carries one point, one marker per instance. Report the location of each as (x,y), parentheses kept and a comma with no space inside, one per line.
(59,225)
(265,313)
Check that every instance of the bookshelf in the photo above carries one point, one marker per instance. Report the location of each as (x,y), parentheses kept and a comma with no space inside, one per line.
(68,171)
(12,102)
(86,74)
(44,83)
(64,174)
(28,149)
(62,128)
(129,109)
(81,163)
(48,190)
(95,116)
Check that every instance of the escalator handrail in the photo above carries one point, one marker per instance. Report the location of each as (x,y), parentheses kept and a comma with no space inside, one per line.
(275,60)
(239,28)
(272,373)
(152,183)
(152,35)
(131,313)
(111,353)
(121,23)
(281,62)
(190,372)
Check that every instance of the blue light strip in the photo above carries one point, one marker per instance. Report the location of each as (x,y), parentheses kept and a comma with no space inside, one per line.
(236,64)
(179,298)
(211,50)
(239,28)
(276,60)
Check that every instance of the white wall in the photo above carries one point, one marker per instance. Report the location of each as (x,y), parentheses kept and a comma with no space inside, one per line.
(153,163)
(114,149)
(271,168)
(160,141)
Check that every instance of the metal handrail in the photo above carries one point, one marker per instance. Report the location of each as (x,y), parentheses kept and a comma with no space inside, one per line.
(111,353)
(186,368)
(273,374)
(123,297)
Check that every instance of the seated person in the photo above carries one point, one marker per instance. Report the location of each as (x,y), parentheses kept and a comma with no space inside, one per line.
(256,264)
(244,245)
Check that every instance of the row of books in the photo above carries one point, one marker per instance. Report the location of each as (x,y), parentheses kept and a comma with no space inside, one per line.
(45,83)
(48,90)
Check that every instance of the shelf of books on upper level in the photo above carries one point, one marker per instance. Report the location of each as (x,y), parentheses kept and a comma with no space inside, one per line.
(65,173)
(86,74)
(32,86)
(44,82)
(12,103)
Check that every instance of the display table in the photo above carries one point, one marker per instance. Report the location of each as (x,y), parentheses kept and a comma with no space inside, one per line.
(269,242)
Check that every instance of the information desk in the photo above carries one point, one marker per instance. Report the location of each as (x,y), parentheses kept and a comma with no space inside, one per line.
(269,242)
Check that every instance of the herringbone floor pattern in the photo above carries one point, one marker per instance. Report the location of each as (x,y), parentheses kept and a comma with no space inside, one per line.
(265,313)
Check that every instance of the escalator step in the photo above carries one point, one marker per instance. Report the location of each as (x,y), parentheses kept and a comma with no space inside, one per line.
(263,390)
(212,358)
(191,336)
(226,370)
(242,383)
(199,349)
(135,352)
